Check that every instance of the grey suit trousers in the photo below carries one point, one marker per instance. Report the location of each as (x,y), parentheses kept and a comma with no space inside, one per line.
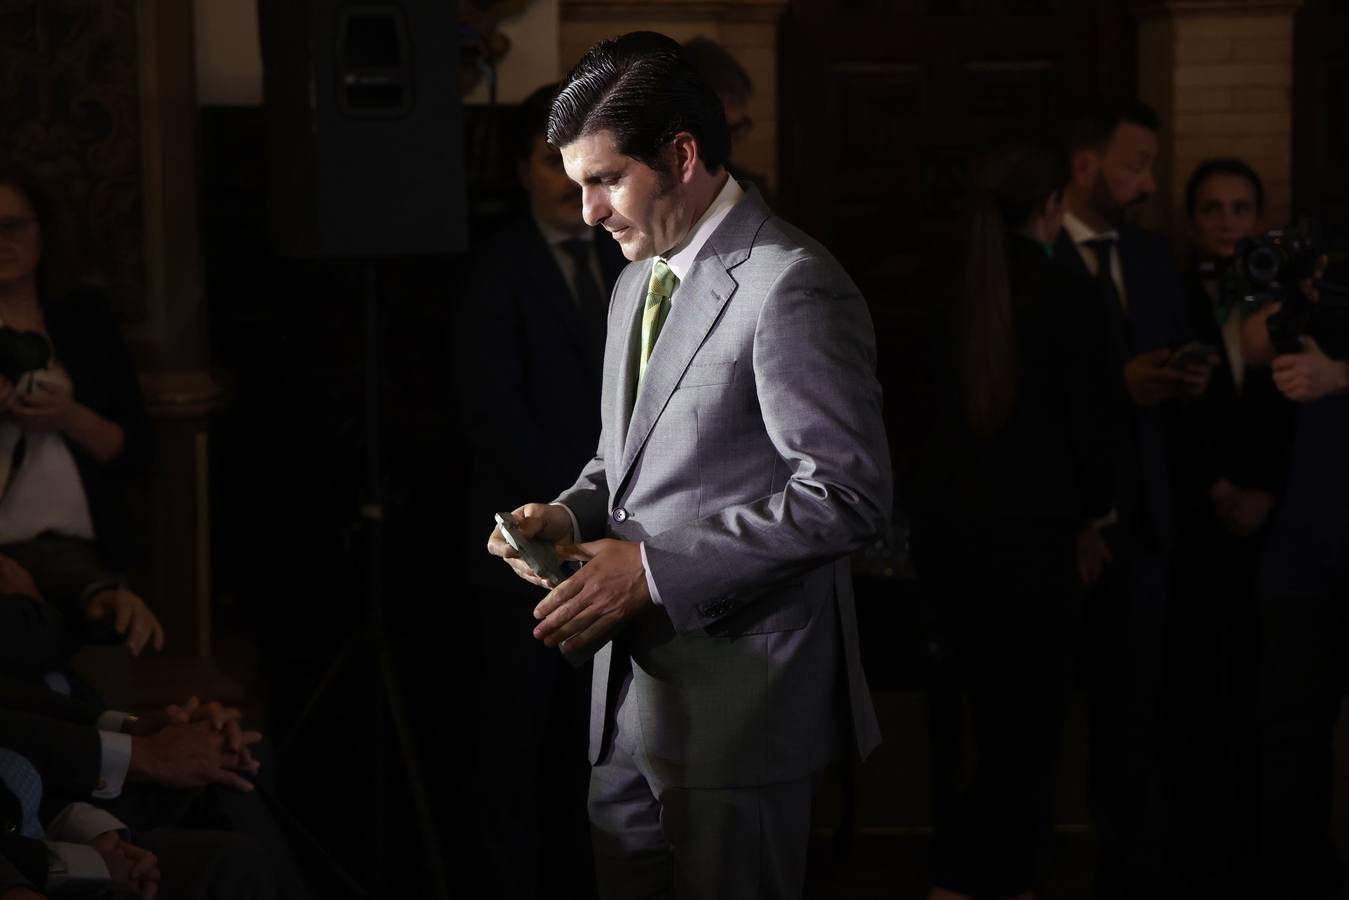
(653,839)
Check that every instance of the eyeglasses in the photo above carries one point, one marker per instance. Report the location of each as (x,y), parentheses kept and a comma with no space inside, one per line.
(14,228)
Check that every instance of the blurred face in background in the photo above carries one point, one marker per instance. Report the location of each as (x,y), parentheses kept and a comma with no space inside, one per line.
(1122,178)
(555,198)
(1225,211)
(20,238)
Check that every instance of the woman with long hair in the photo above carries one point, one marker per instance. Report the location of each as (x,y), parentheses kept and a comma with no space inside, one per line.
(1021,465)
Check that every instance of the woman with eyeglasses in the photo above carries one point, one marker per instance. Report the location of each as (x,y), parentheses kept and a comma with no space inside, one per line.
(73,426)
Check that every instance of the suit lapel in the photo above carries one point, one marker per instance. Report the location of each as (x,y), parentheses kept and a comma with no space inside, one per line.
(696,306)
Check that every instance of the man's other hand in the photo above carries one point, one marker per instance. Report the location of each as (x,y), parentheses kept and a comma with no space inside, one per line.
(539,522)
(1198,375)
(129,865)
(192,755)
(130,616)
(1310,375)
(1151,381)
(224,719)
(608,590)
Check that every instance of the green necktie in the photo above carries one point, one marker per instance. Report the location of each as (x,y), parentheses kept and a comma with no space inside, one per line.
(663,284)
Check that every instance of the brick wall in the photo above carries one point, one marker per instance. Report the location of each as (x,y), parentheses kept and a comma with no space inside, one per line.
(1221,75)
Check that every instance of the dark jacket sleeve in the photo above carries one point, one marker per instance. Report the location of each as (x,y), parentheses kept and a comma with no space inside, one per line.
(1091,388)
(20,696)
(32,637)
(67,755)
(65,570)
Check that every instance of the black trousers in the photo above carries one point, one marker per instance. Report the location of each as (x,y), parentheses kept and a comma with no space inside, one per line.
(1304,607)
(1124,652)
(1002,609)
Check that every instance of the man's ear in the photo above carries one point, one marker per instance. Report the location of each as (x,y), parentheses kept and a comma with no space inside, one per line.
(687,156)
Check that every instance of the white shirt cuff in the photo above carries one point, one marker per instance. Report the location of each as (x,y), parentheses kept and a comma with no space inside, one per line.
(81,822)
(650,582)
(115,760)
(575,526)
(1106,520)
(81,862)
(111,720)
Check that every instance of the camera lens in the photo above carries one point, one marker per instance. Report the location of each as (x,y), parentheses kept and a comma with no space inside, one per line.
(1263,263)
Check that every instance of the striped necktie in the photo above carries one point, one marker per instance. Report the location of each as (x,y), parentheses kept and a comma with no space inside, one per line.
(658,293)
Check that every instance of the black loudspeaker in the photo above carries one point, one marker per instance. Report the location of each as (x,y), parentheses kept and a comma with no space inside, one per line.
(363,127)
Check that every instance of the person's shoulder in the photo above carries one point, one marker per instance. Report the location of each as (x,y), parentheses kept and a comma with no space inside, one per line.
(1141,241)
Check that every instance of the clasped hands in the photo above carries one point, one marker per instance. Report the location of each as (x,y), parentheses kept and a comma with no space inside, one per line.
(193,745)
(44,408)
(608,590)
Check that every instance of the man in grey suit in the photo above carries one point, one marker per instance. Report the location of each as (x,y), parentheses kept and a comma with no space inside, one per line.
(742,457)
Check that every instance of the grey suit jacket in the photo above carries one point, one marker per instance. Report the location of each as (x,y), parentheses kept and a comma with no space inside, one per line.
(751,462)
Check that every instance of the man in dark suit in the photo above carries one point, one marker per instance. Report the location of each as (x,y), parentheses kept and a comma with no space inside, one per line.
(533,347)
(1113,151)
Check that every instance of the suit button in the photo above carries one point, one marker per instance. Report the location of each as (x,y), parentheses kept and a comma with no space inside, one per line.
(620,515)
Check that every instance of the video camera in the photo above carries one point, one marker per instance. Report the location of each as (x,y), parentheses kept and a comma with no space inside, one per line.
(1270,269)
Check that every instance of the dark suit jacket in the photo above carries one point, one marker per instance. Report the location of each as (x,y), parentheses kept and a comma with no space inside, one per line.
(531,375)
(1244,437)
(1157,318)
(58,734)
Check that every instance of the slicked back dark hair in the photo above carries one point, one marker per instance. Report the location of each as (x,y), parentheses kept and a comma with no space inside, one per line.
(1093,128)
(1224,166)
(528,119)
(642,89)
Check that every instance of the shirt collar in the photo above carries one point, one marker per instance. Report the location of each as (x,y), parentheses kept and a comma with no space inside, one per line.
(553,236)
(1081,232)
(681,258)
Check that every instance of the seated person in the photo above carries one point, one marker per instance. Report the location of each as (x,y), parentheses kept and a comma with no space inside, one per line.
(73,427)
(82,853)
(205,837)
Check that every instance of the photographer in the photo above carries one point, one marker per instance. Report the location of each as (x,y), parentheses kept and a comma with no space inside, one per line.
(1304,580)
(1238,436)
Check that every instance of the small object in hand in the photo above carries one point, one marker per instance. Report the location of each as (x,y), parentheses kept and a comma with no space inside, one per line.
(1192,354)
(536,554)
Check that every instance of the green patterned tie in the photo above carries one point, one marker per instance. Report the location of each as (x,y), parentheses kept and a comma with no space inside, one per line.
(663,284)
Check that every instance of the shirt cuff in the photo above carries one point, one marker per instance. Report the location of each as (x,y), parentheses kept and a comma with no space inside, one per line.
(575,526)
(650,582)
(111,720)
(1105,521)
(77,862)
(81,822)
(115,761)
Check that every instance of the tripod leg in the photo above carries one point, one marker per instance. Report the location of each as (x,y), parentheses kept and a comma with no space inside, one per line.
(416,781)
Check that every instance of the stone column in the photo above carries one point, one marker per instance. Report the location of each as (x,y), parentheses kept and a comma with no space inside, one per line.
(748,29)
(1220,73)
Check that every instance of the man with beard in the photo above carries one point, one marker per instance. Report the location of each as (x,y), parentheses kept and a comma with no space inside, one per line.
(533,330)
(1113,150)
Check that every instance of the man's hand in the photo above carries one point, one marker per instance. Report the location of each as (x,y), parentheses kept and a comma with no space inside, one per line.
(1151,381)
(1310,375)
(192,755)
(608,590)
(1198,375)
(224,719)
(129,865)
(14,579)
(1241,511)
(539,522)
(1092,555)
(131,617)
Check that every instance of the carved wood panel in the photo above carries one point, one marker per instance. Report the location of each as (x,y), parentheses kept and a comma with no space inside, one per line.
(69,108)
